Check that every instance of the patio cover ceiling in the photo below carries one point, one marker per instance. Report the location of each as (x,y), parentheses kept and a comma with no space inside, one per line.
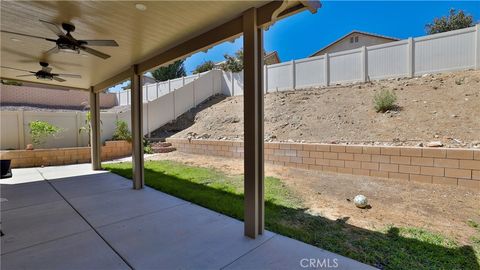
(164,32)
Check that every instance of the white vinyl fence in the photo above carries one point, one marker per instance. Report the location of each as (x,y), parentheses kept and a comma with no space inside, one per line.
(449,51)
(165,101)
(14,132)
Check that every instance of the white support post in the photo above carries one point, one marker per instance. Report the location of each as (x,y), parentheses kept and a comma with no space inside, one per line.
(21,130)
(326,69)
(364,64)
(411,57)
(294,83)
(477,46)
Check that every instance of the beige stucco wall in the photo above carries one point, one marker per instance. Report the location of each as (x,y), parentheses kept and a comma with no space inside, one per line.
(363,40)
(28,95)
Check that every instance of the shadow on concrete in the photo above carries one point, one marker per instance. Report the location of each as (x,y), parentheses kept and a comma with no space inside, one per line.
(388,250)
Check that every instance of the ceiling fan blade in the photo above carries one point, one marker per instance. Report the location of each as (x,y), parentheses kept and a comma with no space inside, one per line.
(19,69)
(26,75)
(98,42)
(69,76)
(53,50)
(58,79)
(94,52)
(53,27)
(27,35)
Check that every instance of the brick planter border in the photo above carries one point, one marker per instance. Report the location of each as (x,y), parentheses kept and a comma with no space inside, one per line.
(63,156)
(457,167)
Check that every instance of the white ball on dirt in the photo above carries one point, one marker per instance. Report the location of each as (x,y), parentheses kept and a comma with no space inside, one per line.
(360,201)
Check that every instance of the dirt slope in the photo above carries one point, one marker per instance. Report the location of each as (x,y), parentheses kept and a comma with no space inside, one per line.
(441,107)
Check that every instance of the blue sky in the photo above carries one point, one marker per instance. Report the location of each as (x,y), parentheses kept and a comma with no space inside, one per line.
(302,34)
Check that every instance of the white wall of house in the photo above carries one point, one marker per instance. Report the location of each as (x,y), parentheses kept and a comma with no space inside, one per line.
(354,41)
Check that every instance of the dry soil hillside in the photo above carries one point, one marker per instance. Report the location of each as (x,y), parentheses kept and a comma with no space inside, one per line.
(440,107)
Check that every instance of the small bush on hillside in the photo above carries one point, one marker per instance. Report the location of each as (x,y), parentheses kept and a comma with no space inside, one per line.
(384,100)
(121,132)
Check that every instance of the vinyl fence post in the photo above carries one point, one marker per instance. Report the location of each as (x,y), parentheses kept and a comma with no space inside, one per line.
(21,131)
(233,84)
(293,75)
(77,129)
(265,72)
(169,86)
(477,46)
(411,57)
(326,69)
(156,85)
(193,92)
(365,64)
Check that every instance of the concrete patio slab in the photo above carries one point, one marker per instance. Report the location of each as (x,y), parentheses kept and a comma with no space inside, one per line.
(192,237)
(110,207)
(145,229)
(55,172)
(79,251)
(27,194)
(76,186)
(27,226)
(285,253)
(26,175)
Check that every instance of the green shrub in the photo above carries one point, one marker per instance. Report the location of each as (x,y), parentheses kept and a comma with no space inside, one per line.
(147,147)
(40,130)
(384,100)
(121,132)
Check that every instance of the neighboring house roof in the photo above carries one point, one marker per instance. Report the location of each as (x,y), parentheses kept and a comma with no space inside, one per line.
(353,32)
(270,59)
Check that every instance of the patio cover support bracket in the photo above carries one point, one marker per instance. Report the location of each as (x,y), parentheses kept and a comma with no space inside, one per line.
(253,125)
(137,128)
(95,141)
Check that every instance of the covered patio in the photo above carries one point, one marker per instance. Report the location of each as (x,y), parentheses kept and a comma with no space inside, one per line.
(71,217)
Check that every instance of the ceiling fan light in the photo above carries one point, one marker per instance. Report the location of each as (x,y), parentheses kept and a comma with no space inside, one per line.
(70,51)
(141,7)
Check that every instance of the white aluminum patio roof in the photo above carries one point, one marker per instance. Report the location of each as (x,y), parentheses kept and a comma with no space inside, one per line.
(140,34)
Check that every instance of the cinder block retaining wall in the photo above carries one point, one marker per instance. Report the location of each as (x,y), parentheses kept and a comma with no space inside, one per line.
(62,156)
(430,165)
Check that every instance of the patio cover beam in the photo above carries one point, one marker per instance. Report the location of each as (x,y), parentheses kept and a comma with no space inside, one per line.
(265,16)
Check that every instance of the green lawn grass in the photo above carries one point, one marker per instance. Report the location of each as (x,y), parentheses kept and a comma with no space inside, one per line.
(389,248)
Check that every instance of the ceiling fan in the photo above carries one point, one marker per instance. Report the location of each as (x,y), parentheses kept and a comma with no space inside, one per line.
(45,73)
(67,43)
